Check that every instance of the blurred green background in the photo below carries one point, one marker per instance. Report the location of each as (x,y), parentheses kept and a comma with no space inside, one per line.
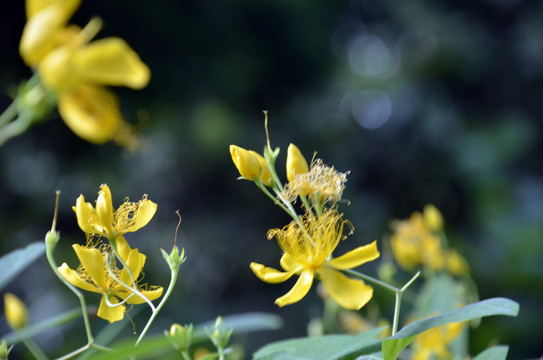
(424,102)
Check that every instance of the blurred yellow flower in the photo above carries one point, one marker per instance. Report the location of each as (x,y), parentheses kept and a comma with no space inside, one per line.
(432,218)
(321,184)
(456,264)
(15,311)
(92,275)
(77,70)
(307,252)
(104,220)
(433,343)
(413,243)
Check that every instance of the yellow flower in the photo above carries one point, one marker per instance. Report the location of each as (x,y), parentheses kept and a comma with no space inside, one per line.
(92,275)
(296,163)
(433,342)
(322,184)
(413,243)
(105,221)
(15,310)
(77,70)
(308,252)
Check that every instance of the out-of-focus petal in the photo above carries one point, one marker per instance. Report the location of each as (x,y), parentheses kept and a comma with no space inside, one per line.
(298,291)
(108,313)
(356,257)
(111,61)
(91,112)
(288,263)
(74,279)
(348,293)
(67,7)
(270,275)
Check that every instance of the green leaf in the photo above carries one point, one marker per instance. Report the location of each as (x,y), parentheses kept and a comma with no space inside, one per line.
(328,347)
(16,261)
(494,353)
(32,330)
(393,345)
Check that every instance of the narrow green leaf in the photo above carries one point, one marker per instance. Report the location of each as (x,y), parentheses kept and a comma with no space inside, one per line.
(16,261)
(328,347)
(393,345)
(32,330)
(494,353)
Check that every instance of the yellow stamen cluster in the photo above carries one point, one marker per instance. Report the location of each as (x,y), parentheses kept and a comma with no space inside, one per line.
(321,184)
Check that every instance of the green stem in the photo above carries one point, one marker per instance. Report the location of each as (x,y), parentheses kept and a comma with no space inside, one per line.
(14,128)
(34,349)
(186,355)
(173,280)
(133,288)
(397,292)
(79,295)
(9,114)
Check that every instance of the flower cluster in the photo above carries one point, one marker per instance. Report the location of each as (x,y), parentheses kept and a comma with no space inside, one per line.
(420,241)
(310,240)
(77,70)
(97,271)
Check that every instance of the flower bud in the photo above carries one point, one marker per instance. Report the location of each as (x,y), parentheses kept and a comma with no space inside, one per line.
(296,163)
(4,351)
(180,336)
(15,311)
(247,163)
(266,176)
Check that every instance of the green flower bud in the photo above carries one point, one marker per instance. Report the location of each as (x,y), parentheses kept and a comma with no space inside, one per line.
(180,336)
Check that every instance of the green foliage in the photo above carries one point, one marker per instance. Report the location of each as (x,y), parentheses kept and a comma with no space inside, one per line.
(328,347)
(16,261)
(493,353)
(393,345)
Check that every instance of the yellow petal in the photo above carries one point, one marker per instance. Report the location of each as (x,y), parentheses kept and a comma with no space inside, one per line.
(111,61)
(145,212)
(149,294)
(34,7)
(93,261)
(123,247)
(104,209)
(296,163)
(356,257)
(74,279)
(84,211)
(110,314)
(45,27)
(92,113)
(298,291)
(135,262)
(288,263)
(270,275)
(349,293)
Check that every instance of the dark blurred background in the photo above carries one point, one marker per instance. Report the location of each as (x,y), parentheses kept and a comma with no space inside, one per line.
(424,102)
